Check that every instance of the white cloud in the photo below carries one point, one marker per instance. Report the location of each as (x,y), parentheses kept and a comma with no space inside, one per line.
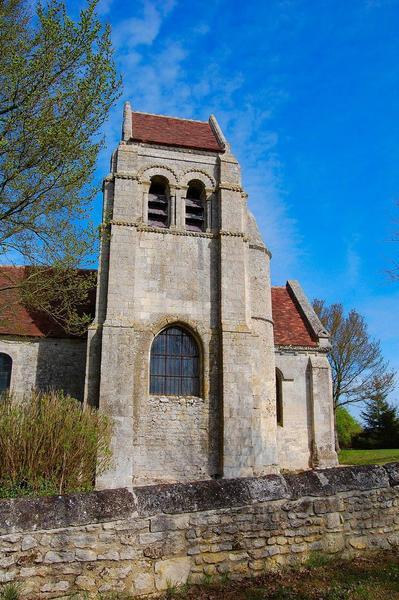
(104,6)
(158,80)
(135,31)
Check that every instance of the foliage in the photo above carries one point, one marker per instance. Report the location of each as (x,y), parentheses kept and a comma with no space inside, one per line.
(355,358)
(318,559)
(368,457)
(49,444)
(39,289)
(57,84)
(347,427)
(382,422)
(10,592)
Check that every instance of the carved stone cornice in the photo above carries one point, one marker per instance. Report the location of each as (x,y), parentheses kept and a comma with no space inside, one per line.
(165,231)
(140,226)
(261,249)
(301,349)
(123,175)
(231,187)
(233,234)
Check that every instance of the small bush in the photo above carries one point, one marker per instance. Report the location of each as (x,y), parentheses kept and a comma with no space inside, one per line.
(50,445)
(10,592)
(318,559)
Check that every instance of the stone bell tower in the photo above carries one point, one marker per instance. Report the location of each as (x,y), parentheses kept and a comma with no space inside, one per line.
(181,352)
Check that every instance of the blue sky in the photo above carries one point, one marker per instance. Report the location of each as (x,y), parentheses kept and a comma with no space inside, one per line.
(307,94)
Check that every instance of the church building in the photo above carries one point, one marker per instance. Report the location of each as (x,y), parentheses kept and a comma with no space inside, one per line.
(206,370)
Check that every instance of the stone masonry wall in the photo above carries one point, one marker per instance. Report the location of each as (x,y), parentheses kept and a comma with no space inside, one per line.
(158,535)
(46,363)
(174,432)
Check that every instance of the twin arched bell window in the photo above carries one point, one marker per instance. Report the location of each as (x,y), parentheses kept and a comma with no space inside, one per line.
(160,208)
(175,363)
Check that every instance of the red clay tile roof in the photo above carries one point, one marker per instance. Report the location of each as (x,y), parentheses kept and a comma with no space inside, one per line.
(168,131)
(18,320)
(290,328)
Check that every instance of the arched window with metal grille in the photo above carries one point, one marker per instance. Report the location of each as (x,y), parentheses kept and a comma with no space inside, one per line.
(5,371)
(175,363)
(158,203)
(195,206)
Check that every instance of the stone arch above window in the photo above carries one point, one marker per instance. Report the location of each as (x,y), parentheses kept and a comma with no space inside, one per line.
(195,206)
(175,363)
(5,371)
(199,175)
(159,202)
(145,174)
(279,397)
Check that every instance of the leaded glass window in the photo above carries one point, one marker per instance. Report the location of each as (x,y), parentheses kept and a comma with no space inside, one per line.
(175,364)
(5,371)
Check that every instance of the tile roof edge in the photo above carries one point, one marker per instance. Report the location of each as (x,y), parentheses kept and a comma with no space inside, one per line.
(140,112)
(138,140)
(316,327)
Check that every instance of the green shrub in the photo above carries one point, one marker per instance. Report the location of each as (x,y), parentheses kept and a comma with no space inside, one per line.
(9,592)
(347,427)
(49,445)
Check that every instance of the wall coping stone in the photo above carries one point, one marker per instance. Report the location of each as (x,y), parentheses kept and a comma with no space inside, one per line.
(57,512)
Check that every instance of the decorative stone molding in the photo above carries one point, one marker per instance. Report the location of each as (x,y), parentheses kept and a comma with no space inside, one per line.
(306,349)
(229,186)
(123,175)
(176,232)
(123,223)
(200,175)
(194,327)
(145,173)
(234,234)
(261,249)
(168,231)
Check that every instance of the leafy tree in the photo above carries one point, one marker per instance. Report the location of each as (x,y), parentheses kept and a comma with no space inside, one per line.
(347,427)
(355,358)
(57,84)
(381,420)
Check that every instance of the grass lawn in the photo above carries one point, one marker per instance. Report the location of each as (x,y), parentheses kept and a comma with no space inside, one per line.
(375,577)
(368,457)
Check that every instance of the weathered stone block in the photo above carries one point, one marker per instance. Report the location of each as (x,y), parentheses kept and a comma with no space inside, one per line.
(174,571)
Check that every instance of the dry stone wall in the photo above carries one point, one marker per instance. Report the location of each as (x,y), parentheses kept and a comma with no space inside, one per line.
(143,541)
